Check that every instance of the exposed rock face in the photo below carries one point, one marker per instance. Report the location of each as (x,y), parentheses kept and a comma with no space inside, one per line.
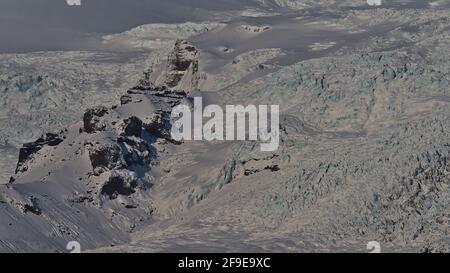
(254,29)
(130,148)
(32,207)
(29,149)
(125,99)
(146,83)
(121,182)
(105,157)
(131,127)
(136,151)
(92,119)
(159,125)
(182,57)
(182,67)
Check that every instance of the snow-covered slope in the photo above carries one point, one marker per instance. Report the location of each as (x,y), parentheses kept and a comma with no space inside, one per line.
(364,152)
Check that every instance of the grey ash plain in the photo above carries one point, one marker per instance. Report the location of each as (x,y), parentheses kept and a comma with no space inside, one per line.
(364,153)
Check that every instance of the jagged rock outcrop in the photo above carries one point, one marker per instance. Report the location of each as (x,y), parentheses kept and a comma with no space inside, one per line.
(92,119)
(105,157)
(254,29)
(32,206)
(30,149)
(136,151)
(131,126)
(183,56)
(182,67)
(121,182)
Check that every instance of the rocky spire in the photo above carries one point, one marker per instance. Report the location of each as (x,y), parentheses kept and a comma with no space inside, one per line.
(182,67)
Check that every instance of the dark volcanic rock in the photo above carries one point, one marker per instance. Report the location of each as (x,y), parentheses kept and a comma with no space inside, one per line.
(136,151)
(92,119)
(159,126)
(145,83)
(125,99)
(29,149)
(183,56)
(33,207)
(120,183)
(131,127)
(107,156)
